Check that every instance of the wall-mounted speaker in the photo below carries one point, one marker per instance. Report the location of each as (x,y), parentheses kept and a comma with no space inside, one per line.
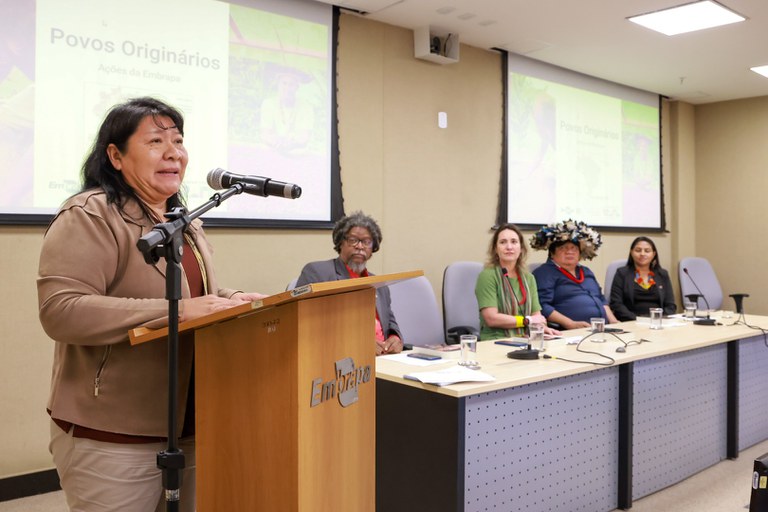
(434,45)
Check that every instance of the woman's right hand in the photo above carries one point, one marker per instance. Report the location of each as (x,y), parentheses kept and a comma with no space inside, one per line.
(197,307)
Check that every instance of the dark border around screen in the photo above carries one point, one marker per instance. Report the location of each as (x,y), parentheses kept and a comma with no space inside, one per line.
(337,201)
(502,215)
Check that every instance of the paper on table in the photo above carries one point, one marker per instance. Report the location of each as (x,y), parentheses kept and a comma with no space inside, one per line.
(673,321)
(450,375)
(402,357)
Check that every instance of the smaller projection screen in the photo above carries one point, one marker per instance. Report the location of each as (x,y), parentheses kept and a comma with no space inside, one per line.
(252,78)
(581,148)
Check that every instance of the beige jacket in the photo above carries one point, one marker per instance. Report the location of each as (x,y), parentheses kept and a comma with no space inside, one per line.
(94,286)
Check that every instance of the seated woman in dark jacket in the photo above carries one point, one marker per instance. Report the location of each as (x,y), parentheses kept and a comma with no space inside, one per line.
(641,284)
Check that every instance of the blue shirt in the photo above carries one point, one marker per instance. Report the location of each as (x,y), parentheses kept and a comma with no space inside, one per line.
(577,301)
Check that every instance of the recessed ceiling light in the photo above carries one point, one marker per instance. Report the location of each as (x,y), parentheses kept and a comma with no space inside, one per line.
(687,18)
(761,70)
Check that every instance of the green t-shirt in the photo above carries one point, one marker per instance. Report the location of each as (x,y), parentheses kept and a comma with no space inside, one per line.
(488,293)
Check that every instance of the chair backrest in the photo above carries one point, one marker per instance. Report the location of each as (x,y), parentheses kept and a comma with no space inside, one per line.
(533,266)
(292,284)
(416,311)
(610,273)
(460,307)
(701,272)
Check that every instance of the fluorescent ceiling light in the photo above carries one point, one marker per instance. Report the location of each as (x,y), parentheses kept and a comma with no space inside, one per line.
(687,18)
(761,70)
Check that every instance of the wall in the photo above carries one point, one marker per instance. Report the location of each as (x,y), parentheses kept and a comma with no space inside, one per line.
(434,191)
(731,181)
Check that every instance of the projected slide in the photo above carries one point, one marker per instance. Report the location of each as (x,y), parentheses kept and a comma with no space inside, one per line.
(576,153)
(252,81)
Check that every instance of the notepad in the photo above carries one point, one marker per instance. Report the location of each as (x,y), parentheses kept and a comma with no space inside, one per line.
(450,375)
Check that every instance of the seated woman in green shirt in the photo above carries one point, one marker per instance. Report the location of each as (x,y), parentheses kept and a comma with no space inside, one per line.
(506,291)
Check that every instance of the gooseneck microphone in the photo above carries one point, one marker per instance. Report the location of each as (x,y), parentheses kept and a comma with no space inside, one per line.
(700,321)
(257,185)
(524,353)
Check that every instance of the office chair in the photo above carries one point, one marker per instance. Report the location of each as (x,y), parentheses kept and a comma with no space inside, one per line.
(700,273)
(292,284)
(460,310)
(416,311)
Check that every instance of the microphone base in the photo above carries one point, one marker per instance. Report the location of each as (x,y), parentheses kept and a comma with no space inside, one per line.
(704,321)
(525,353)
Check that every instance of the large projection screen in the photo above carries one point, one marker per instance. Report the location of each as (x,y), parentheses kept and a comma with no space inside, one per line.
(252,78)
(582,148)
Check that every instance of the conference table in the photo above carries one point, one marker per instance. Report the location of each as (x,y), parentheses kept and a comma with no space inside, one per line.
(552,434)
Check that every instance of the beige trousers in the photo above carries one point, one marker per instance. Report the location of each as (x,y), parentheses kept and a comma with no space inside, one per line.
(101,477)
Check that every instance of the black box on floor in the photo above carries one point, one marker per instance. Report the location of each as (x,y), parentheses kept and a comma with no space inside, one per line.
(759,500)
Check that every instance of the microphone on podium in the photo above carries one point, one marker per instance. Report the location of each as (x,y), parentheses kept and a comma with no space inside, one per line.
(700,321)
(257,185)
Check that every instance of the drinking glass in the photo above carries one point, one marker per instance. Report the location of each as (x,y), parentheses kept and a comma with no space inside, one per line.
(656,317)
(468,350)
(690,310)
(536,337)
(598,328)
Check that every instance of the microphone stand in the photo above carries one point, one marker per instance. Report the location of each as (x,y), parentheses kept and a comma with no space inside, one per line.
(166,241)
(701,321)
(738,299)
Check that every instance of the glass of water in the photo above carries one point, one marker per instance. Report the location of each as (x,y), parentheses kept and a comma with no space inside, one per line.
(598,329)
(468,350)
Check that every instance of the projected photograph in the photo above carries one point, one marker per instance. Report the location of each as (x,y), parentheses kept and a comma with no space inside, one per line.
(576,151)
(252,79)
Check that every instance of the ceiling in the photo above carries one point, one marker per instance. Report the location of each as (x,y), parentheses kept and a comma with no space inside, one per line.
(594,38)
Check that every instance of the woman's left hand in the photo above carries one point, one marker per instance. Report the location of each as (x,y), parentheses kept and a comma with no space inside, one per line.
(248,297)
(537,318)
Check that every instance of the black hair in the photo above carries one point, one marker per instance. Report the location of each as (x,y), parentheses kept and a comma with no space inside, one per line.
(654,262)
(560,243)
(119,124)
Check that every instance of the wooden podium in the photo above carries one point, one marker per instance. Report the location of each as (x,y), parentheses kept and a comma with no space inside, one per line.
(285,400)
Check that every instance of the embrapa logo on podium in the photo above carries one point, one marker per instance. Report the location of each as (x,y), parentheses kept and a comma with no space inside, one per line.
(345,385)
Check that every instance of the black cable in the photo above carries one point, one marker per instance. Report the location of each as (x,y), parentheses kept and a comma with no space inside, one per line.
(578,349)
(598,363)
(742,320)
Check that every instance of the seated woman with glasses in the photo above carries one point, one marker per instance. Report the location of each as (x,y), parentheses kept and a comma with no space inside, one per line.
(355,238)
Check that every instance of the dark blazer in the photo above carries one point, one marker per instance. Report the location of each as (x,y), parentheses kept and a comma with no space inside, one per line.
(623,293)
(336,270)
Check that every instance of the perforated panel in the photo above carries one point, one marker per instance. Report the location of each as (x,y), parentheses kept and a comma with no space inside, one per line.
(753,392)
(679,417)
(547,446)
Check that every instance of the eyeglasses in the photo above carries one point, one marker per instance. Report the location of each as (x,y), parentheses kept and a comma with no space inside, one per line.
(367,242)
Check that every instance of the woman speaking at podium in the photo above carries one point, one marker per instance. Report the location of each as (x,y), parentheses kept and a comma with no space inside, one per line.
(108,401)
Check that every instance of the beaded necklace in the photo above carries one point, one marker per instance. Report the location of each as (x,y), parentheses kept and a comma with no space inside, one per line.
(577,280)
(645,284)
